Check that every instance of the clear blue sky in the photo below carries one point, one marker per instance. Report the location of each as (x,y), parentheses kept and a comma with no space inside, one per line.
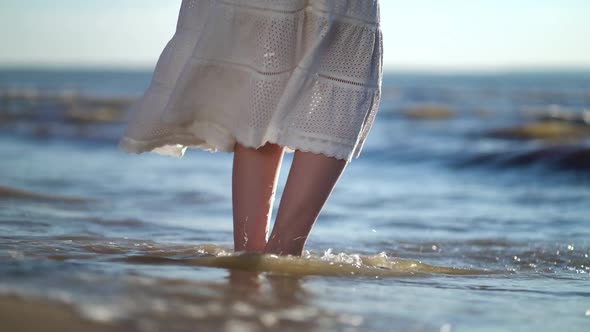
(418,34)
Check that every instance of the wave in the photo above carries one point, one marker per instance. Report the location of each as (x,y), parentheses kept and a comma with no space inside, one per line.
(207,255)
(327,265)
(548,130)
(566,157)
(21,194)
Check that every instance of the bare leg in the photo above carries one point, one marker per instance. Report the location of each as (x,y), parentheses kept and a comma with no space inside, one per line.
(254,177)
(311,180)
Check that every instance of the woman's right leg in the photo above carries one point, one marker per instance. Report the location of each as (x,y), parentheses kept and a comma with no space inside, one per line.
(309,184)
(254,178)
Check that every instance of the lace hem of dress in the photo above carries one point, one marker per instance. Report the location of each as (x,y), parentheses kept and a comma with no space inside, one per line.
(213,138)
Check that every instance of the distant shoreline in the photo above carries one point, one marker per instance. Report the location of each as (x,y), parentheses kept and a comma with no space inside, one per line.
(81,69)
(387,71)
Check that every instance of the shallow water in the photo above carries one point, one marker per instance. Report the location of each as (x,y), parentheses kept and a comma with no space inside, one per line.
(439,226)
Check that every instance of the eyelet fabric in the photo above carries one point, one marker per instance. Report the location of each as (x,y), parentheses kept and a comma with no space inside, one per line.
(304,74)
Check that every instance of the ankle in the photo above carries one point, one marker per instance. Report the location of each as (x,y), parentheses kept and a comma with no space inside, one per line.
(285,245)
(251,246)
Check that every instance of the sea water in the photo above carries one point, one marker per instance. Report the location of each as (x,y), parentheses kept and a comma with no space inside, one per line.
(454,218)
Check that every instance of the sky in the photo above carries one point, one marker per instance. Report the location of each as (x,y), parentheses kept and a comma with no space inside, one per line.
(418,34)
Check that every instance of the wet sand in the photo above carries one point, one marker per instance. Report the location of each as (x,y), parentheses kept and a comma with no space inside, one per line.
(30,315)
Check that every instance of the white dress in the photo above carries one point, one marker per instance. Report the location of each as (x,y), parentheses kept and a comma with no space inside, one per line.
(304,74)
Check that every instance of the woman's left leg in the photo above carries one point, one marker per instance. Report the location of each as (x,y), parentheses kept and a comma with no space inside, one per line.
(254,178)
(311,179)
